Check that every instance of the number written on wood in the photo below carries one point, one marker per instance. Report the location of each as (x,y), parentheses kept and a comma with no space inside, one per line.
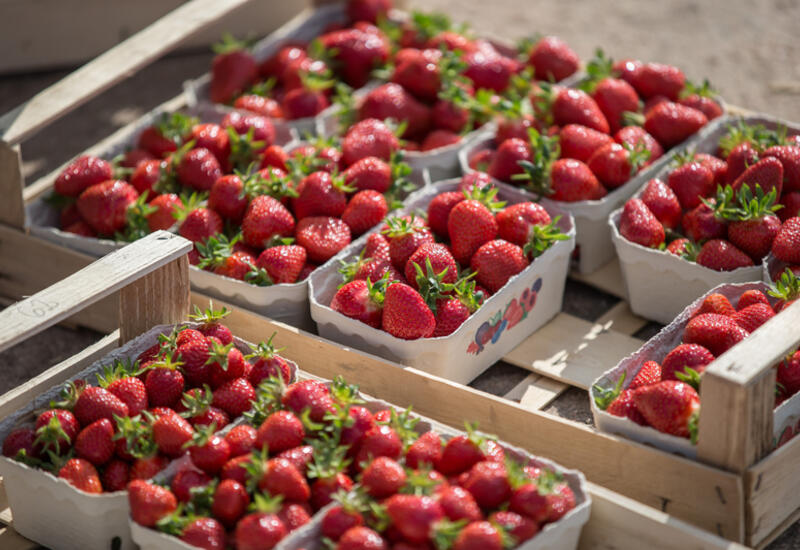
(35,308)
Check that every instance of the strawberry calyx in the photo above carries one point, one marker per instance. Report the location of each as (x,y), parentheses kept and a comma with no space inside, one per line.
(345,102)
(345,394)
(136,225)
(690,251)
(215,250)
(350,269)
(330,458)
(264,350)
(545,151)
(445,532)
(603,397)
(175,126)
(401,226)
(137,432)
(167,362)
(190,203)
(268,400)
(543,100)
(219,354)
(757,135)
(525,45)
(689,376)
(244,149)
(743,206)
(401,185)
(464,289)
(404,424)
(266,503)
(787,288)
(201,435)
(355,501)
(597,69)
(263,89)
(431,285)
(703,90)
(176,522)
(196,402)
(119,369)
(52,435)
(486,196)
(228,44)
(693,425)
(255,468)
(683,157)
(209,316)
(317,82)
(255,184)
(69,395)
(542,237)
(419,482)
(430,25)
(638,155)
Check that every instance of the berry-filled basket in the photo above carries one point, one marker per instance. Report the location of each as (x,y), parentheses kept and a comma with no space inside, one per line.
(661,283)
(562,533)
(626,399)
(525,303)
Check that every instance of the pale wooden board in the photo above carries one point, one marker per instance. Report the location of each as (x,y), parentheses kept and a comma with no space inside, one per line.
(12,210)
(542,393)
(621,319)
(112,66)
(572,350)
(101,278)
(608,279)
(516,393)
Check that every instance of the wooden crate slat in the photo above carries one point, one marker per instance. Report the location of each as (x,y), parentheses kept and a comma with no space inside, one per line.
(707,497)
(621,319)
(541,393)
(608,279)
(572,350)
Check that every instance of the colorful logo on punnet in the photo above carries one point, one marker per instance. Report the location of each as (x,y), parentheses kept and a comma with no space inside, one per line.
(505,318)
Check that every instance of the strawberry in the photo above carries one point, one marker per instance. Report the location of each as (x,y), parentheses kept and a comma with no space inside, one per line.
(281,477)
(789,373)
(439,210)
(171,433)
(570,106)
(327,484)
(133,157)
(20,440)
(260,105)
(479,535)
(753,226)
(649,373)
(146,468)
(82,475)
(274,156)
(670,406)
(624,406)
(200,224)
(789,157)
(496,262)
(451,312)
(505,162)
(488,483)
(362,422)
(528,501)
(185,480)
(716,303)
(322,237)
(383,477)
(361,538)
(458,504)
(268,364)
(636,136)
(82,173)
(414,516)
(752,317)
(405,235)
(233,70)
(654,79)
(308,394)
(281,431)
(614,97)
(405,313)
(750,297)
(234,397)
(165,206)
(786,246)
(129,389)
(671,123)
(767,173)
(204,533)
(241,439)
(615,164)
(116,475)
(377,247)
(364,210)
(639,225)
(460,454)
(264,219)
(791,205)
(579,142)
(225,363)
(368,10)
(519,527)
(208,451)
(441,261)
(552,59)
(94,403)
(572,180)
(303,102)
(418,72)
(439,138)
(721,255)
(149,503)
(337,520)
(356,53)
(199,169)
(104,205)
(94,443)
(662,202)
(259,130)
(214,138)
(294,515)
(227,197)
(471,224)
(379,440)
(392,101)
(259,530)
(164,384)
(369,173)
(368,138)
(715,332)
(691,182)
(487,69)
(319,194)
(447,115)
(283,263)
(701,223)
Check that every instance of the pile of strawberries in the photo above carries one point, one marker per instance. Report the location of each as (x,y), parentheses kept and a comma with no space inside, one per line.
(256,212)
(411,286)
(311,445)
(580,144)
(664,396)
(440,81)
(174,397)
(725,211)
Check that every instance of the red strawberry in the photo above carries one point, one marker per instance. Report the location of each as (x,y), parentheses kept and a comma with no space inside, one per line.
(624,406)
(767,172)
(164,384)
(414,516)
(721,255)
(368,10)
(553,60)
(393,101)
(281,477)
(366,209)
(459,455)
(243,123)
(439,138)
(368,138)
(104,205)
(427,449)
(614,96)
(319,195)
(614,164)
(701,223)
(234,397)
(115,476)
(572,180)
(259,530)
(264,219)
(439,209)
(303,102)
(209,451)
(649,373)
(715,332)
(369,173)
(146,468)
(505,162)
(693,356)
(446,115)
(791,205)
(241,439)
(171,433)
(199,169)
(294,516)
(488,69)
(283,263)
(377,247)
(308,394)
(519,527)
(200,224)
(362,422)
(337,520)
(133,157)
(260,105)
(636,136)
(789,373)
(786,246)
(149,503)
(95,403)
(356,53)
(470,225)
(458,503)
(323,489)
(479,535)
(361,538)
(716,303)
(579,142)
(19,440)
(527,501)
(227,197)
(214,138)
(639,225)
(678,247)
(662,202)
(570,106)
(789,157)
(233,70)
(55,430)
(82,173)
(668,406)
(440,259)
(204,533)
(379,440)
(383,477)
(750,297)
(166,205)
(274,156)
(322,237)
(405,314)
(82,475)
(755,236)
(95,442)
(496,262)
(654,79)
(281,431)
(671,123)
(752,317)
(185,480)
(488,483)
(418,72)
(405,235)
(691,182)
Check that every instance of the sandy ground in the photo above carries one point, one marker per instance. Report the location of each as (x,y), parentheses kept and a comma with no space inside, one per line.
(748,51)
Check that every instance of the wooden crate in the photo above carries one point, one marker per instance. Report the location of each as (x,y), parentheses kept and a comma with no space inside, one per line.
(153,279)
(738,493)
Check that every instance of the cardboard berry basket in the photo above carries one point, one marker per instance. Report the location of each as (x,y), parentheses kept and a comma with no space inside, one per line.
(659,284)
(655,349)
(593,241)
(561,535)
(525,303)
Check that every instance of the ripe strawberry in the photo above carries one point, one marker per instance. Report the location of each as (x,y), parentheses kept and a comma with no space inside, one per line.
(281,431)
(361,538)
(364,210)
(227,197)
(214,138)
(377,247)
(614,96)
(281,477)
(715,332)
(55,430)
(241,440)
(171,433)
(505,162)
(654,79)
(701,223)
(572,180)
(392,101)
(149,503)
(662,202)
(360,300)
(82,173)
(82,475)
(383,477)
(671,123)
(418,72)
(356,53)
(458,504)
(162,217)
(446,115)
(308,394)
(789,157)
(767,172)
(200,224)
(20,440)
(233,70)
(303,102)
(786,246)
(752,317)
(721,255)
(322,237)
(439,138)
(519,527)
(496,262)
(754,236)
(225,363)
(553,60)
(95,442)
(368,138)
(369,173)
(405,313)
(185,480)
(488,483)
(649,373)
(259,128)
(479,535)
(133,157)
(368,10)
(614,164)
(691,182)
(527,501)
(414,516)
(324,488)
(274,156)
(337,520)
(380,440)
(439,209)
(115,476)
(624,406)
(199,169)
(570,106)
(678,247)
(362,422)
(791,205)
(789,373)
(146,468)
(208,451)
(470,225)
(440,259)
(750,297)
(234,397)
(579,142)
(104,205)
(459,455)
(267,363)
(259,530)
(405,235)
(319,194)
(164,384)
(636,136)
(294,515)
(639,225)
(716,303)
(264,219)
(669,406)
(487,69)
(204,533)
(260,105)
(283,263)
(94,403)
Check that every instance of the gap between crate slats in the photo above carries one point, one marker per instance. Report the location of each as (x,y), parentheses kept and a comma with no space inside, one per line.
(608,279)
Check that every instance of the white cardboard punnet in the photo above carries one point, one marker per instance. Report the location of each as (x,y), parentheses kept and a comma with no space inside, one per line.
(521,307)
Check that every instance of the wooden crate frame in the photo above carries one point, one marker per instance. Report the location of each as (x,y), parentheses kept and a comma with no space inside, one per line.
(734,495)
(157,268)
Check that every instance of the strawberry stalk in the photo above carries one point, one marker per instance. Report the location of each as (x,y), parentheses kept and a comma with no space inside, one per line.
(543,237)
